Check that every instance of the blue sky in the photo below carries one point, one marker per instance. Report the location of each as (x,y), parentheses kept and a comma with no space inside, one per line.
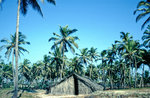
(99,23)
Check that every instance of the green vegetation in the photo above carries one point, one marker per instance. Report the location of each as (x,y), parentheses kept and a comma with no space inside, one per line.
(112,67)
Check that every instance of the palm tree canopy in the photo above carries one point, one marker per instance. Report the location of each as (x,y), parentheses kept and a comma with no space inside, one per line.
(93,54)
(34,4)
(146,37)
(65,39)
(26,70)
(125,36)
(56,57)
(10,44)
(84,57)
(131,47)
(7,70)
(144,9)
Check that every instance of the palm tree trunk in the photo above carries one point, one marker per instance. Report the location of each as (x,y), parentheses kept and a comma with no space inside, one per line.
(103,78)
(135,73)
(130,74)
(91,71)
(111,82)
(110,79)
(62,65)
(16,52)
(2,80)
(142,84)
(84,70)
(59,72)
(124,76)
(121,76)
(13,70)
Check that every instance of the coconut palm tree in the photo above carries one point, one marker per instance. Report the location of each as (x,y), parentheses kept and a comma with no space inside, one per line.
(22,6)
(5,72)
(36,70)
(131,52)
(25,70)
(56,60)
(122,50)
(146,37)
(10,47)
(111,57)
(47,70)
(64,41)
(145,54)
(84,56)
(75,65)
(93,55)
(144,8)
(104,59)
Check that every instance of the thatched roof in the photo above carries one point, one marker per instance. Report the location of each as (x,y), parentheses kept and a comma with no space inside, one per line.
(90,83)
(83,80)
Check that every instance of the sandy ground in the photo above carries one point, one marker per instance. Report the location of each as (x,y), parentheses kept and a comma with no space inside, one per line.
(41,93)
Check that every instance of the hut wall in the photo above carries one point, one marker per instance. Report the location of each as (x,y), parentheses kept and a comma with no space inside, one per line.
(65,87)
(83,89)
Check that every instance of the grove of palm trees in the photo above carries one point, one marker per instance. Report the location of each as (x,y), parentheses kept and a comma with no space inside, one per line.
(125,64)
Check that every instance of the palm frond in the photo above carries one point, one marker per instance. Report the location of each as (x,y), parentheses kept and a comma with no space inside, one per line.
(141,15)
(21,36)
(140,10)
(8,53)
(53,47)
(56,34)
(20,52)
(56,43)
(23,6)
(72,49)
(75,44)
(23,49)
(24,42)
(52,1)
(36,6)
(145,37)
(5,41)
(147,32)
(143,3)
(146,22)
(70,46)
(146,42)
(63,31)
(72,31)
(116,41)
(76,38)
(53,39)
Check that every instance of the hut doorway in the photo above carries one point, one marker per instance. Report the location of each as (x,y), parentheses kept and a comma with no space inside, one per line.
(76,89)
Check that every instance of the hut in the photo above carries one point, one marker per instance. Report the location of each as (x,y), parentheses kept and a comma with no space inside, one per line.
(74,85)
